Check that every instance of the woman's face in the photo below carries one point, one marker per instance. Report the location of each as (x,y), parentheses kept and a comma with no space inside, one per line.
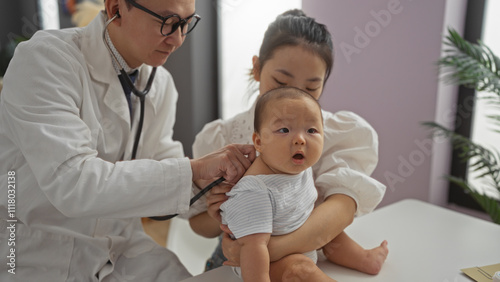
(291,66)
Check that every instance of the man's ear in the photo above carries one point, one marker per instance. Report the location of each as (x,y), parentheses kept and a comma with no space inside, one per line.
(256,68)
(112,8)
(256,141)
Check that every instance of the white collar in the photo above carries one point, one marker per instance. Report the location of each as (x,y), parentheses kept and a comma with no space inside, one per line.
(118,56)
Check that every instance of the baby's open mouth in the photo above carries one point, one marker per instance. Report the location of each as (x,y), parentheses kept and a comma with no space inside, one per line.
(298,156)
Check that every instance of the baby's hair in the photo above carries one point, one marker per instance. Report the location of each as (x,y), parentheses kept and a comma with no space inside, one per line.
(285,92)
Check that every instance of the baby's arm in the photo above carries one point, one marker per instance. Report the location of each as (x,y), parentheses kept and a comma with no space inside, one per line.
(316,232)
(254,257)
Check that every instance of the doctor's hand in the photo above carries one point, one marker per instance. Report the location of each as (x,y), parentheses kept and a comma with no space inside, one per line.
(230,162)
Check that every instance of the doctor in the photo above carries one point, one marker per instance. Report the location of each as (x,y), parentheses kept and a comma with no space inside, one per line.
(67,139)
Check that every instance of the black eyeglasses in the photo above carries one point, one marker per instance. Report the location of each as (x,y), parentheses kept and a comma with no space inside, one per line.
(171,23)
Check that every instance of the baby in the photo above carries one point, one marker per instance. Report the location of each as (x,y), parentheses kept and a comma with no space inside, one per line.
(277,193)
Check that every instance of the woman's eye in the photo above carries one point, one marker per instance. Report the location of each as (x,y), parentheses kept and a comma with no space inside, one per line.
(283,130)
(311,89)
(279,82)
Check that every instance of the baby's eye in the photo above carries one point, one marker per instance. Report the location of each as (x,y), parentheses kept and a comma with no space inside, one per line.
(283,130)
(312,130)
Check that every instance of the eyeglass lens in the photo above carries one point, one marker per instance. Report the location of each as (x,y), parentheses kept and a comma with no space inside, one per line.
(171,24)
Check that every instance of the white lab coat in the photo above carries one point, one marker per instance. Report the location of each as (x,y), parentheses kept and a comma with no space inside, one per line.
(65,129)
(350,154)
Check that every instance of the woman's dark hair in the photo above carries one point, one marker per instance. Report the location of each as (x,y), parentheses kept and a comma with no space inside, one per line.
(294,28)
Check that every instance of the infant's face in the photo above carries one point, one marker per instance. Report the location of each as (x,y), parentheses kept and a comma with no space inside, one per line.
(291,135)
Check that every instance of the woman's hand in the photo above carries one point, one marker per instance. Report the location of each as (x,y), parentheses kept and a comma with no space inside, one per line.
(231,248)
(215,198)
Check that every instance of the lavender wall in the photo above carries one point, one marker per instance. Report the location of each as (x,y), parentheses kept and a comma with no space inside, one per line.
(385,71)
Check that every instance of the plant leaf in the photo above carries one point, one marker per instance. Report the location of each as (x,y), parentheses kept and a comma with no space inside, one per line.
(491,205)
(481,158)
(472,65)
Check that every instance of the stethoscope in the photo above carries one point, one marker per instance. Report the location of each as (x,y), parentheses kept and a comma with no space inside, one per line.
(140,94)
(142,97)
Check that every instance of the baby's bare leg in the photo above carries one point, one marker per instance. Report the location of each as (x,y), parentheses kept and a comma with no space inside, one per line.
(342,250)
(297,268)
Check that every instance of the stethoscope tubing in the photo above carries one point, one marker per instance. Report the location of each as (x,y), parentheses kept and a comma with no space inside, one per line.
(194,199)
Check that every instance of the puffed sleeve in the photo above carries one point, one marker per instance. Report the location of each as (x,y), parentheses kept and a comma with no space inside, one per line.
(350,155)
(211,138)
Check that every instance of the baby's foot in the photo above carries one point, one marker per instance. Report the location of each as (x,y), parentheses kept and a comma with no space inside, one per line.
(374,259)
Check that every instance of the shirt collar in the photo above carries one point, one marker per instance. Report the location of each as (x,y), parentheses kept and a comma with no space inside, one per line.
(119,57)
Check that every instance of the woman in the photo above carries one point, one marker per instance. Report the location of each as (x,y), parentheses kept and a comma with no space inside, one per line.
(297,51)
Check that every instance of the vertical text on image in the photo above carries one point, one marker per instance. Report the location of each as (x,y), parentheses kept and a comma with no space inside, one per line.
(12,220)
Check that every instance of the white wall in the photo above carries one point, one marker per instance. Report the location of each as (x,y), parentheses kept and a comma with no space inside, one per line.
(385,71)
(241,35)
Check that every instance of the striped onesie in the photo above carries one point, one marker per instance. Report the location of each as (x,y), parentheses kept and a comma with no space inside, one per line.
(273,203)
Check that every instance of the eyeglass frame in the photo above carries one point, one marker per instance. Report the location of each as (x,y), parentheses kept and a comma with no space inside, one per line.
(181,23)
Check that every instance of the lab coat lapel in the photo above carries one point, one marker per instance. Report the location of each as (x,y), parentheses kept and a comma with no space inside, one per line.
(104,76)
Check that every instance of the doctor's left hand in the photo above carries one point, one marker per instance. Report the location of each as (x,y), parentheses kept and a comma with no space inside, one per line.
(230,162)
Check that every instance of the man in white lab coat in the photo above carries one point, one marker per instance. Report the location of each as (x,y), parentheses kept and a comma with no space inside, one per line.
(71,198)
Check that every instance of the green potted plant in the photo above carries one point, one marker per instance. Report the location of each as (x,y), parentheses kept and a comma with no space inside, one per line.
(474,66)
